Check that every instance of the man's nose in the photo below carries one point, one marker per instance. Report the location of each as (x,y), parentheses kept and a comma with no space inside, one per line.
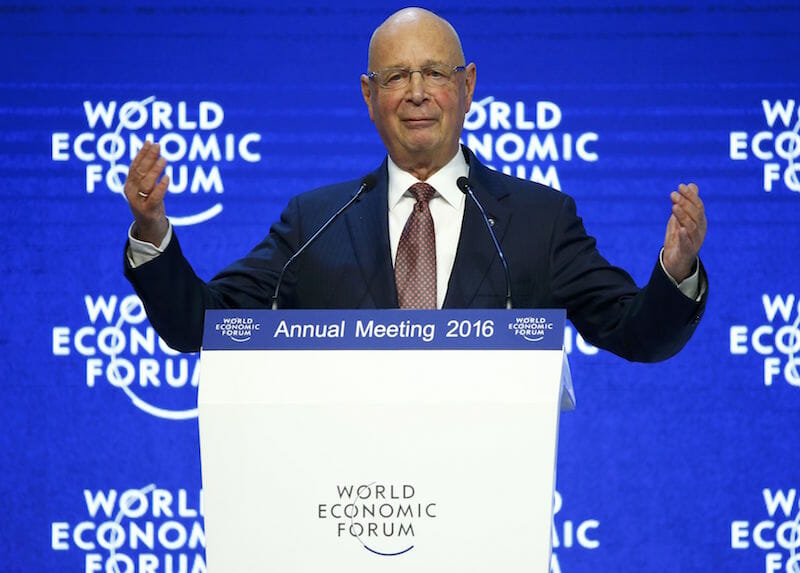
(416,87)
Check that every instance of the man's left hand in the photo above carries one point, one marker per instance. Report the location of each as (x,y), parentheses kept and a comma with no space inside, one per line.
(686,231)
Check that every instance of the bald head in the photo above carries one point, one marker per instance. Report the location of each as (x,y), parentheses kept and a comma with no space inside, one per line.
(412,21)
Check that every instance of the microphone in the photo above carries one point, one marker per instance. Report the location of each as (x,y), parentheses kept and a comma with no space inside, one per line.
(367,183)
(463,184)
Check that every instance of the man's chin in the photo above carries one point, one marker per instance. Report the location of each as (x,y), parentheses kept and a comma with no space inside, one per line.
(421,141)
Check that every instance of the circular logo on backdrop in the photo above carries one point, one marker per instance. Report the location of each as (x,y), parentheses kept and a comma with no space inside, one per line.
(777,146)
(571,535)
(147,529)
(525,139)
(776,339)
(777,534)
(122,351)
(192,140)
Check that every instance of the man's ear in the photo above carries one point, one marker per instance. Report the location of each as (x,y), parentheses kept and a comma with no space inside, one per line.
(470,75)
(366,91)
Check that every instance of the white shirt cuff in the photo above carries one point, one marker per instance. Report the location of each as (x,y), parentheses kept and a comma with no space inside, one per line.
(141,252)
(690,286)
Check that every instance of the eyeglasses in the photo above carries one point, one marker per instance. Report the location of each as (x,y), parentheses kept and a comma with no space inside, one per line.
(432,75)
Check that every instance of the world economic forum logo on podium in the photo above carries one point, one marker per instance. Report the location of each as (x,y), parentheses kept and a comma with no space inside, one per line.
(532,328)
(237,328)
(383,518)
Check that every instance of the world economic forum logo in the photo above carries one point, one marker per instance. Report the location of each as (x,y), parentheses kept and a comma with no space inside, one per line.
(239,329)
(776,534)
(777,146)
(776,338)
(572,535)
(525,139)
(122,352)
(385,519)
(532,328)
(192,139)
(125,531)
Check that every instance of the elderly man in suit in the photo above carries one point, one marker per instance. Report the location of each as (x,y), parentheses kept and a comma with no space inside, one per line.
(415,240)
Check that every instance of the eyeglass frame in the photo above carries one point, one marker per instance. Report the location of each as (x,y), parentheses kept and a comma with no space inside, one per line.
(453,70)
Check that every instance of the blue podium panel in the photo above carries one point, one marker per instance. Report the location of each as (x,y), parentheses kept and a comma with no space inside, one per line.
(523,329)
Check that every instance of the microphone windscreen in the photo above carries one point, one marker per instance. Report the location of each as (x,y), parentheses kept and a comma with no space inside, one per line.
(368,182)
(463,184)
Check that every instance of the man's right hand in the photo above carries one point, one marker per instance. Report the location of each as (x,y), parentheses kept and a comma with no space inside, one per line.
(145,197)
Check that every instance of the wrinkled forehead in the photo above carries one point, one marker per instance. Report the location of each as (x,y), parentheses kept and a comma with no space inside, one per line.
(414,41)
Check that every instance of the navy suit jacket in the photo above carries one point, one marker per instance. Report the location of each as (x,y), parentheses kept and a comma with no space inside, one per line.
(553,264)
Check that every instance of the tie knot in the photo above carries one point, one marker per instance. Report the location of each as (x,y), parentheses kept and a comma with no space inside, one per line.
(422,192)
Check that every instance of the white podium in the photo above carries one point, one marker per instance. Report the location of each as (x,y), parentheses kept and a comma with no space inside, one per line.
(381,441)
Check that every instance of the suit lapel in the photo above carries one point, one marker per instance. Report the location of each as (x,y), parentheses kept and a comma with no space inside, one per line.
(476,252)
(368,221)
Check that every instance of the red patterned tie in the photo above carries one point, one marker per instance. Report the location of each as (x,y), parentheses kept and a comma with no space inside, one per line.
(415,265)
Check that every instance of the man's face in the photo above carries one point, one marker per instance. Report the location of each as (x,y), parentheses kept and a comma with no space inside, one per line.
(419,124)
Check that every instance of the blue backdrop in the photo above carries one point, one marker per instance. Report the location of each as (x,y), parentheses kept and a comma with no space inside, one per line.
(688,465)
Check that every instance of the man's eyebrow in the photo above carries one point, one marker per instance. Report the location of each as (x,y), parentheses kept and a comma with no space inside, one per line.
(427,62)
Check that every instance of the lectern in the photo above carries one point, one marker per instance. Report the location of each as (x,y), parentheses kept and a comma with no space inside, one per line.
(381,441)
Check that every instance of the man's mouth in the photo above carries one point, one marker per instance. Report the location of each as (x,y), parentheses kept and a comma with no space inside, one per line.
(419,121)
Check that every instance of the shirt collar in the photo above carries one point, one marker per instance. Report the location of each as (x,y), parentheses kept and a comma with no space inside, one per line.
(444,181)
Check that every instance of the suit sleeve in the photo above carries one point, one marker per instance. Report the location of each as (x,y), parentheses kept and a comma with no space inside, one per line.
(176,299)
(606,306)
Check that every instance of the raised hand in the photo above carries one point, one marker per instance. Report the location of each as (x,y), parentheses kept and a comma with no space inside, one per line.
(145,194)
(686,230)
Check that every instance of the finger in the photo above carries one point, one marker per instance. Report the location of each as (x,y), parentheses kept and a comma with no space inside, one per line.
(691,211)
(689,196)
(672,224)
(160,190)
(674,227)
(697,213)
(693,233)
(133,180)
(685,243)
(137,161)
(149,159)
(684,218)
(692,194)
(682,208)
(149,180)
